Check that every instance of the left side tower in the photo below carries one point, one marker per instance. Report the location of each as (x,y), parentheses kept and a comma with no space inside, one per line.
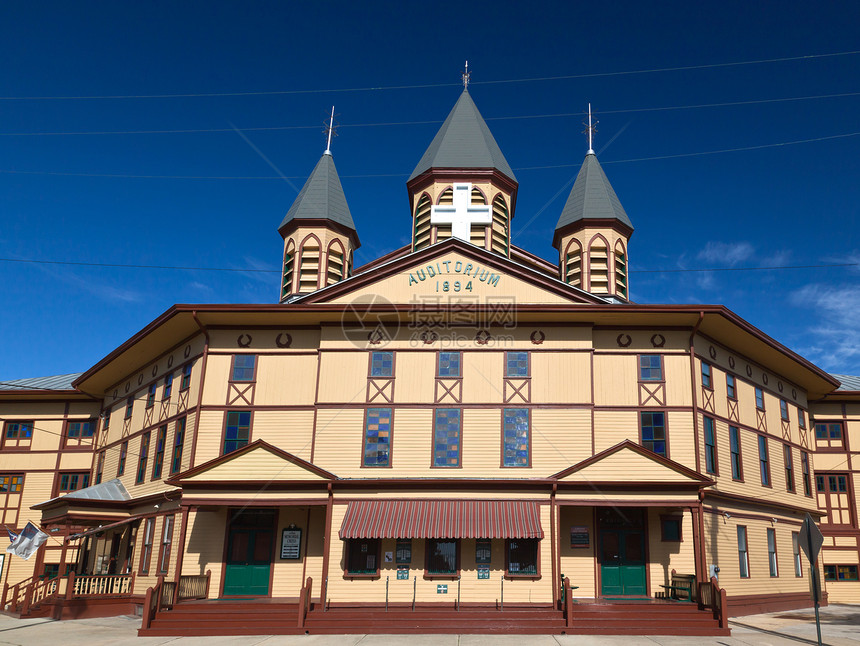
(319,234)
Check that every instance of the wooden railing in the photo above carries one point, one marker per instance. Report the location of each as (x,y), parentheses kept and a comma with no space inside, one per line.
(99,584)
(193,586)
(568,602)
(712,597)
(152,602)
(14,595)
(37,591)
(305,602)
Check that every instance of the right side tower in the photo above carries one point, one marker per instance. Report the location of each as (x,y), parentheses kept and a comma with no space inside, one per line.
(592,233)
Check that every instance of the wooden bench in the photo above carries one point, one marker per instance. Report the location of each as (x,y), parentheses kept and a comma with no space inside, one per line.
(681,588)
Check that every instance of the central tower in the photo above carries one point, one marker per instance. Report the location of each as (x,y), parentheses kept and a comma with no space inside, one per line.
(463,186)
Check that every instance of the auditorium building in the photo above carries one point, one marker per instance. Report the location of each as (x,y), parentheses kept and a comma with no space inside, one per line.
(459,436)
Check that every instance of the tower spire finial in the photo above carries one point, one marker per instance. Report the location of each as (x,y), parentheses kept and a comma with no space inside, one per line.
(590,129)
(329,130)
(466,76)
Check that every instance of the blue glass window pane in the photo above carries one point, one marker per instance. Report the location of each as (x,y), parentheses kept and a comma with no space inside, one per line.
(446,441)
(377,437)
(650,367)
(516,437)
(654,432)
(243,367)
(449,364)
(517,364)
(382,364)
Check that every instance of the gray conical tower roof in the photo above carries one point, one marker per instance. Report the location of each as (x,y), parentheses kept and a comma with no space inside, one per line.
(464,141)
(592,197)
(321,198)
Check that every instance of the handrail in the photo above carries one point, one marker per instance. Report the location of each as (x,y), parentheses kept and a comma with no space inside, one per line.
(91,585)
(193,586)
(14,601)
(38,591)
(568,603)
(305,602)
(721,605)
(152,603)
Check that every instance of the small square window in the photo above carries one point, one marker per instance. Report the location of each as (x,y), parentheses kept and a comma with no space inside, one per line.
(654,432)
(238,430)
(516,364)
(759,398)
(650,367)
(706,375)
(243,367)
(670,528)
(381,364)
(449,364)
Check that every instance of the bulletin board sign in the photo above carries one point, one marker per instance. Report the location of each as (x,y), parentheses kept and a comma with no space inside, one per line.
(579,537)
(291,544)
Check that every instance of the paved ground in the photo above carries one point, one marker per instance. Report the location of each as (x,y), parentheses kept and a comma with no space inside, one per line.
(840,626)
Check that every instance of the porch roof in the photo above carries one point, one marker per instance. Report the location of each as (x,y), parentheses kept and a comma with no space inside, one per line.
(442,519)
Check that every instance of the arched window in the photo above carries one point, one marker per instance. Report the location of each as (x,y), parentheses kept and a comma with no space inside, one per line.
(309,267)
(598,266)
(334,263)
(620,269)
(421,223)
(572,264)
(443,231)
(500,241)
(289,261)
(478,233)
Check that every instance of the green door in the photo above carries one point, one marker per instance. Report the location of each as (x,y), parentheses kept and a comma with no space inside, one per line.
(622,563)
(249,560)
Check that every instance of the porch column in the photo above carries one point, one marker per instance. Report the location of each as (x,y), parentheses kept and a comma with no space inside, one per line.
(695,514)
(181,553)
(327,539)
(63,556)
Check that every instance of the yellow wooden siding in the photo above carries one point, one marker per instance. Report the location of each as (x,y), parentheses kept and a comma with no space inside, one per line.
(578,564)
(411,446)
(343,376)
(482,377)
(278,382)
(677,375)
(560,438)
(47,435)
(258,464)
(210,431)
(414,377)
(481,438)
(663,556)
(616,380)
(843,592)
(563,378)
(339,440)
(82,461)
(204,546)
(287,574)
(217,376)
(627,466)
(290,431)
(682,444)
(614,426)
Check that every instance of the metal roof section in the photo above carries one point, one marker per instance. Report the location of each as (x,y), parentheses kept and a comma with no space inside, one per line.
(592,197)
(464,141)
(849,382)
(321,197)
(110,491)
(56,382)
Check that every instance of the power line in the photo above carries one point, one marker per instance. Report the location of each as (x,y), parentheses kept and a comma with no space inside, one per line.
(555,115)
(433,85)
(277,271)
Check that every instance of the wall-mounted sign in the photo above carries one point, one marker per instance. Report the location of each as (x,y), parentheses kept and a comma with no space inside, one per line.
(291,543)
(389,557)
(442,589)
(579,537)
(483,573)
(402,573)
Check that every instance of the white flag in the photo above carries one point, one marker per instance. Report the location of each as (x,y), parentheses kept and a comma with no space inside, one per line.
(27,542)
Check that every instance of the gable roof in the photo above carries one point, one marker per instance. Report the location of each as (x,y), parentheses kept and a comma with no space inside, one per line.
(592,197)
(849,383)
(55,382)
(255,462)
(321,197)
(463,141)
(628,462)
(487,258)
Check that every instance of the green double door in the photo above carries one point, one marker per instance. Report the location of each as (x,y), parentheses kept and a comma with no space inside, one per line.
(249,554)
(622,553)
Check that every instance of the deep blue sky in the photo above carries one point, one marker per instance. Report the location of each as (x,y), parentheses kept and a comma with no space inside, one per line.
(795,204)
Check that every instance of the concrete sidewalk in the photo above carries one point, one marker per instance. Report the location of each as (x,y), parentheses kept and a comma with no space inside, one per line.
(840,626)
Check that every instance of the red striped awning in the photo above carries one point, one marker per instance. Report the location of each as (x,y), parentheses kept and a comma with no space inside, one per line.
(442,519)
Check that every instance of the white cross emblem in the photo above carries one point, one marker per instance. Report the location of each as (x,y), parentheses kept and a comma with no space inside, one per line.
(462,214)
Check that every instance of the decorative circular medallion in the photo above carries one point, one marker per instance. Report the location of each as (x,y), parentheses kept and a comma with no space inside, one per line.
(794,393)
(712,352)
(779,386)
(731,362)
(537,337)
(375,337)
(127,386)
(482,337)
(170,361)
(428,337)
(749,370)
(187,350)
(115,392)
(658,340)
(764,378)
(154,370)
(244,340)
(624,340)
(284,340)
(140,379)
